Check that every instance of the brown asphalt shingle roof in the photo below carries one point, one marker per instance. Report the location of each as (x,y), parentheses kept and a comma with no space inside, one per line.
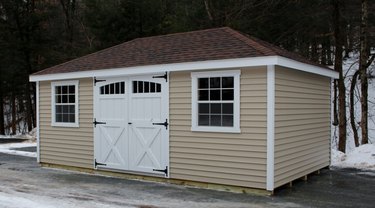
(201,45)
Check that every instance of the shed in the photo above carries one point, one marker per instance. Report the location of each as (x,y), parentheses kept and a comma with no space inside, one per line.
(213,107)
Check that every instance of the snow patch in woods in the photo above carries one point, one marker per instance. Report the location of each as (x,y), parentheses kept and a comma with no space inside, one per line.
(30,136)
(362,157)
(9,149)
(350,66)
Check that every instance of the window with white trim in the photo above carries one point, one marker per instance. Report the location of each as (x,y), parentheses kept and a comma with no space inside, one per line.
(215,101)
(65,103)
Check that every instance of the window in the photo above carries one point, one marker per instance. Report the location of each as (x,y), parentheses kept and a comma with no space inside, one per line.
(113,88)
(146,87)
(215,101)
(64,103)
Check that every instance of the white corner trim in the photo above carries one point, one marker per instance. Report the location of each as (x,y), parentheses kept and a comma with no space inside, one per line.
(332,129)
(236,101)
(190,66)
(53,102)
(37,123)
(270,127)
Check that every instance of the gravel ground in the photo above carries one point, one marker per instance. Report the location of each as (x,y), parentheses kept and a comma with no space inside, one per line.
(25,184)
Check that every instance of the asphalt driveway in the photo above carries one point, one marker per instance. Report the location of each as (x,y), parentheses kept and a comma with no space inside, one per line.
(24,184)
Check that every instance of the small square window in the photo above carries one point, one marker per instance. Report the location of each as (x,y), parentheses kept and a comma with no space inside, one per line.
(227,82)
(203,94)
(227,108)
(203,83)
(215,95)
(215,82)
(215,108)
(227,94)
(204,120)
(204,108)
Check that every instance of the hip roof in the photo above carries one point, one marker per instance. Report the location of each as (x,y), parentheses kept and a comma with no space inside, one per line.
(195,46)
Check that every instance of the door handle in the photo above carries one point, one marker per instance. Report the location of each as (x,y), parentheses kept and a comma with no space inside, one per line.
(130,123)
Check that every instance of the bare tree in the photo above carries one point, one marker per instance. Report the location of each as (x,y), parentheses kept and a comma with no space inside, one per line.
(352,105)
(364,54)
(336,4)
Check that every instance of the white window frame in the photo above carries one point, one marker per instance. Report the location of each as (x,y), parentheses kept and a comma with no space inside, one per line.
(53,104)
(236,101)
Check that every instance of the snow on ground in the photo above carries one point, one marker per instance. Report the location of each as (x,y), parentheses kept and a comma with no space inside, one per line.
(362,157)
(8,200)
(9,149)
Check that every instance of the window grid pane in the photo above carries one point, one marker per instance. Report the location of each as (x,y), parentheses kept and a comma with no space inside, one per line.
(65,101)
(113,88)
(146,87)
(215,101)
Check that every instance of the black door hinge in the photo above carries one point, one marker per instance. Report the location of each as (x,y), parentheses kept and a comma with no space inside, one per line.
(165,76)
(163,124)
(98,80)
(96,164)
(97,122)
(165,171)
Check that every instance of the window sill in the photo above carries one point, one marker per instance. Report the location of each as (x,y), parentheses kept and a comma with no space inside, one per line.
(216,129)
(66,125)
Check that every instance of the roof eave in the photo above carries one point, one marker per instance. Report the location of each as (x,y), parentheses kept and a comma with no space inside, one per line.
(190,66)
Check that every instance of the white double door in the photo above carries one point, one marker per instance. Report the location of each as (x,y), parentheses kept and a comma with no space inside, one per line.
(130,124)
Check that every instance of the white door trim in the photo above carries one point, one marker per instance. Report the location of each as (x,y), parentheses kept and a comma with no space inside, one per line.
(128,88)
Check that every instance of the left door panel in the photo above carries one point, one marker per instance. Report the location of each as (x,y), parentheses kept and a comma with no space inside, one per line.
(111,131)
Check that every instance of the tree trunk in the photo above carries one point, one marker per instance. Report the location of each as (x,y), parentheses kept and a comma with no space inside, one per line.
(335,116)
(208,10)
(14,115)
(338,67)
(363,72)
(2,130)
(352,114)
(29,108)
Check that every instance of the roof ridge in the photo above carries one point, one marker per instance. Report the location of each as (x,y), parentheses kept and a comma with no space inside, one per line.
(179,33)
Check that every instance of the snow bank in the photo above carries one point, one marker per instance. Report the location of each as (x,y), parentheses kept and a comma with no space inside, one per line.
(9,149)
(362,157)
(8,200)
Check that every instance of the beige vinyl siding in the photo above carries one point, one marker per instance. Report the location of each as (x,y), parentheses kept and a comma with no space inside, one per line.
(302,124)
(224,158)
(67,145)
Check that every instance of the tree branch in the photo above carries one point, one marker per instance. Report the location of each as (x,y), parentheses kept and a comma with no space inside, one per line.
(369,62)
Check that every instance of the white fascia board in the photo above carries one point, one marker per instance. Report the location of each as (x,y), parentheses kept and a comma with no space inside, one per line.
(139,70)
(282,61)
(190,66)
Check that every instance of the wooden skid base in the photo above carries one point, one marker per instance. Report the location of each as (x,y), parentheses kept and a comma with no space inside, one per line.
(218,187)
(304,178)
